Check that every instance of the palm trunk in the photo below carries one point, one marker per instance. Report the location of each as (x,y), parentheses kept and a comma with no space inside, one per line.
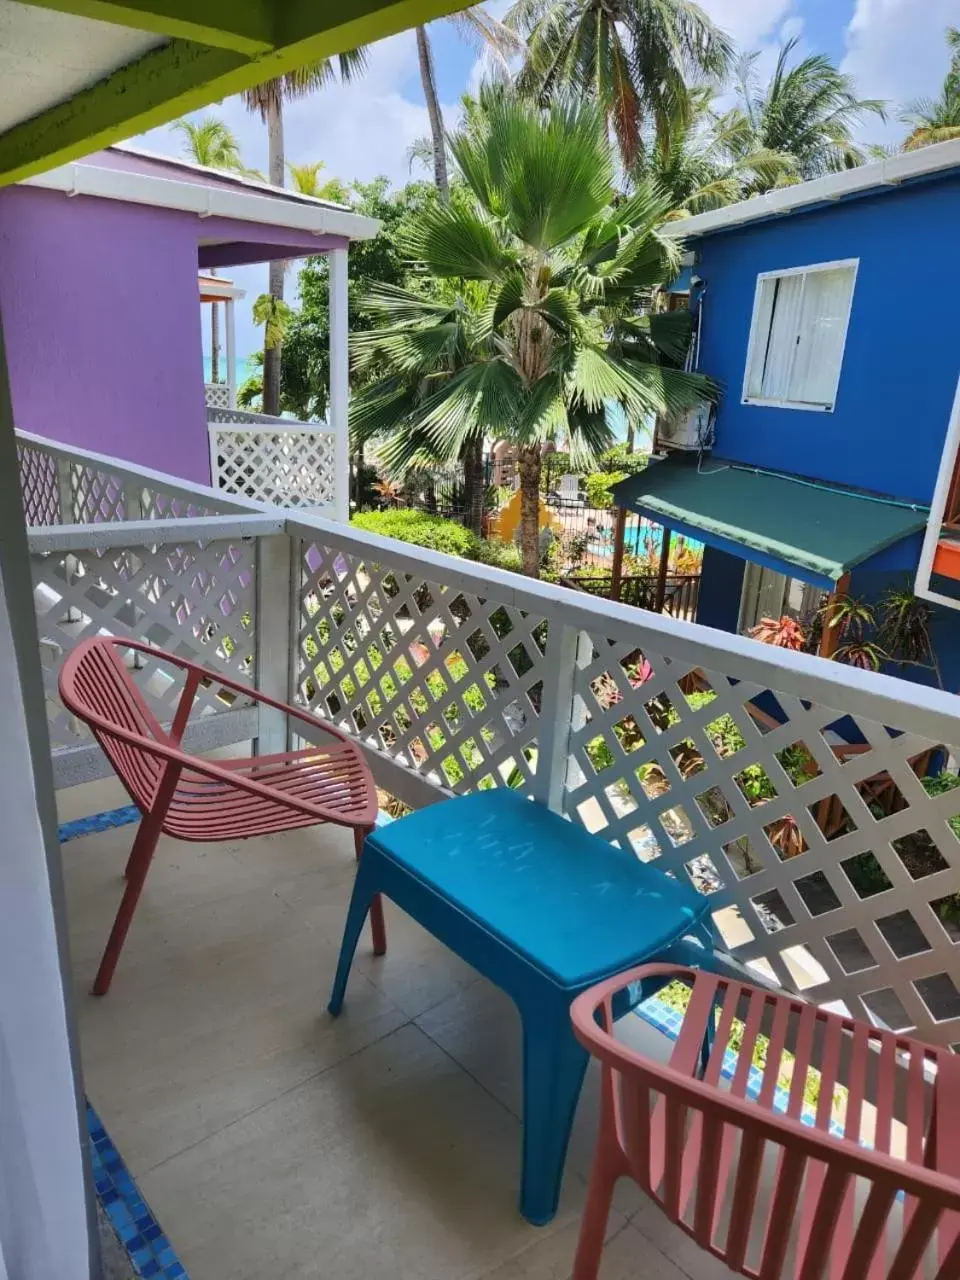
(528,464)
(271,355)
(471,458)
(433,111)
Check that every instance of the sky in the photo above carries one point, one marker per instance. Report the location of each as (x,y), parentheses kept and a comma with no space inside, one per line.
(894,48)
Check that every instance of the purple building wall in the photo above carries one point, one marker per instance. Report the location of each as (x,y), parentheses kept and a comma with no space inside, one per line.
(102,323)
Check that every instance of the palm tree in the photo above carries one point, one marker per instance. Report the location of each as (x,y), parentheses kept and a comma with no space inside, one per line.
(306,180)
(633,57)
(539,329)
(703,162)
(212,143)
(808,111)
(267,100)
(937,119)
(487,35)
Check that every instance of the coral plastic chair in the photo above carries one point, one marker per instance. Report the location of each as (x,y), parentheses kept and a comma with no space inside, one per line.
(196,799)
(845,1188)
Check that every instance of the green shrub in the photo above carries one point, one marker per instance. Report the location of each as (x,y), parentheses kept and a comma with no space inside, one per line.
(422,530)
(504,555)
(597,486)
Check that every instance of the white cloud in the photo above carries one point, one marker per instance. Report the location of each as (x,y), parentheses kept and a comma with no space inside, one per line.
(751,23)
(896,51)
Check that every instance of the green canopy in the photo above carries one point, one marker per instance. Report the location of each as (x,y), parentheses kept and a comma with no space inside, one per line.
(781,520)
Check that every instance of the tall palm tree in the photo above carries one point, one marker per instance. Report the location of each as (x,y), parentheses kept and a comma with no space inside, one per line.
(808,111)
(540,329)
(212,143)
(704,162)
(267,100)
(492,39)
(937,119)
(634,57)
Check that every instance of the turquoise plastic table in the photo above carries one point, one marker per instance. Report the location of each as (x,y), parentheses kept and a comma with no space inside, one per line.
(544,910)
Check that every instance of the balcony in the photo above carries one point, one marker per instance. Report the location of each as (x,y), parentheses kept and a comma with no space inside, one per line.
(270,1140)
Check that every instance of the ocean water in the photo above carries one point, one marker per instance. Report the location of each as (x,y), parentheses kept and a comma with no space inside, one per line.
(244,369)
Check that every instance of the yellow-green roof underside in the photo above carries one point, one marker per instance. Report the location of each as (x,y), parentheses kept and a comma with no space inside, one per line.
(211,49)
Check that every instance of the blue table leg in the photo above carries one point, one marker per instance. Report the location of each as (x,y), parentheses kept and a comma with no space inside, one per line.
(554,1063)
(365,889)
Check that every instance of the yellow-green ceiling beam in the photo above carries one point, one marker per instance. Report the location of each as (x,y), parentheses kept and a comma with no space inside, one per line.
(186,75)
(246,28)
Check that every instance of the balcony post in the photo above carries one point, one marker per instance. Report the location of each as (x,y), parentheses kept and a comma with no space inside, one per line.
(557,715)
(274,626)
(339,382)
(230,335)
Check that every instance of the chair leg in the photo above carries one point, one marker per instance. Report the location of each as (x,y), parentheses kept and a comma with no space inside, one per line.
(607,1168)
(378,926)
(361,902)
(138,864)
(554,1063)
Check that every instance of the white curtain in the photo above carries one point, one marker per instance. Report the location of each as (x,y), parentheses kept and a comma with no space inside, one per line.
(816,369)
(784,324)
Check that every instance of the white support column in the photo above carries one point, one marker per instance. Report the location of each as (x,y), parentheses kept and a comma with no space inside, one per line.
(339,381)
(275,625)
(556,722)
(230,334)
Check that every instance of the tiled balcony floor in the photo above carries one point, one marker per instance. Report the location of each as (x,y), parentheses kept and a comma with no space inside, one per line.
(274,1141)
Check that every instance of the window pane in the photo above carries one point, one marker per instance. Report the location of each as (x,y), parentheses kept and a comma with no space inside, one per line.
(784,327)
(816,370)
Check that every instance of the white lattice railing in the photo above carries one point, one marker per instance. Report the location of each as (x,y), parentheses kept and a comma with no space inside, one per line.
(218,395)
(274,460)
(786,787)
(65,485)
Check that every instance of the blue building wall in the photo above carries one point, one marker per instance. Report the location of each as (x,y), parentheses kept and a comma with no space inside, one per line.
(899,375)
(902,355)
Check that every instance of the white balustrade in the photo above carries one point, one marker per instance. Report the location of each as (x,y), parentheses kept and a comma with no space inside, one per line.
(218,395)
(785,787)
(274,460)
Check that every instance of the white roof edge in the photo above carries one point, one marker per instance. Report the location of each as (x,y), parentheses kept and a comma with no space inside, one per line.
(884,173)
(79,179)
(221,288)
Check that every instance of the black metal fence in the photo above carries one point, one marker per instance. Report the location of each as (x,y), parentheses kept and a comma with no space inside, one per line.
(681,592)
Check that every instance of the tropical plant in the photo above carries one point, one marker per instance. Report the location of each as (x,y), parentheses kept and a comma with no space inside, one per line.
(306,180)
(706,161)
(212,143)
(937,119)
(808,111)
(267,101)
(492,40)
(783,633)
(275,316)
(632,57)
(423,530)
(541,325)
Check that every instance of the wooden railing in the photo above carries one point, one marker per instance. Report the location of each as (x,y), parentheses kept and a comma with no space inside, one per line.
(681,591)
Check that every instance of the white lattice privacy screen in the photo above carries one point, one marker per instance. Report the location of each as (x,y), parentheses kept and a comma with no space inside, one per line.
(287,465)
(794,800)
(194,599)
(218,395)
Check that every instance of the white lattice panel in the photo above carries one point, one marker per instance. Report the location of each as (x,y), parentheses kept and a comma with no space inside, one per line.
(290,467)
(758,799)
(217,395)
(196,600)
(440,680)
(39,485)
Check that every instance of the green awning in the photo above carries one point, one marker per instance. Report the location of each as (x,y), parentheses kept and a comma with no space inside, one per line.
(784,520)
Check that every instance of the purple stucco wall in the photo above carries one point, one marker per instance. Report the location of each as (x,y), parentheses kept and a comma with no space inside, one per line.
(103,327)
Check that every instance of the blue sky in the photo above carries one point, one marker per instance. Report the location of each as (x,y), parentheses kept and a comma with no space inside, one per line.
(894,48)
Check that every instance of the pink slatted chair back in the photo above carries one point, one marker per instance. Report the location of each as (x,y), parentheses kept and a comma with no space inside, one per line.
(854,1181)
(97,687)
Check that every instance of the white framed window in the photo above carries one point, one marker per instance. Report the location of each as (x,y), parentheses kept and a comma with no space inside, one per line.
(797,336)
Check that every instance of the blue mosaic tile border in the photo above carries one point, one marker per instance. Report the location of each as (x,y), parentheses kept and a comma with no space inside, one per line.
(98,822)
(150,1251)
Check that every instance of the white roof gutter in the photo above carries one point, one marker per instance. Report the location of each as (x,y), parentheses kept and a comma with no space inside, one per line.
(835,186)
(205,201)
